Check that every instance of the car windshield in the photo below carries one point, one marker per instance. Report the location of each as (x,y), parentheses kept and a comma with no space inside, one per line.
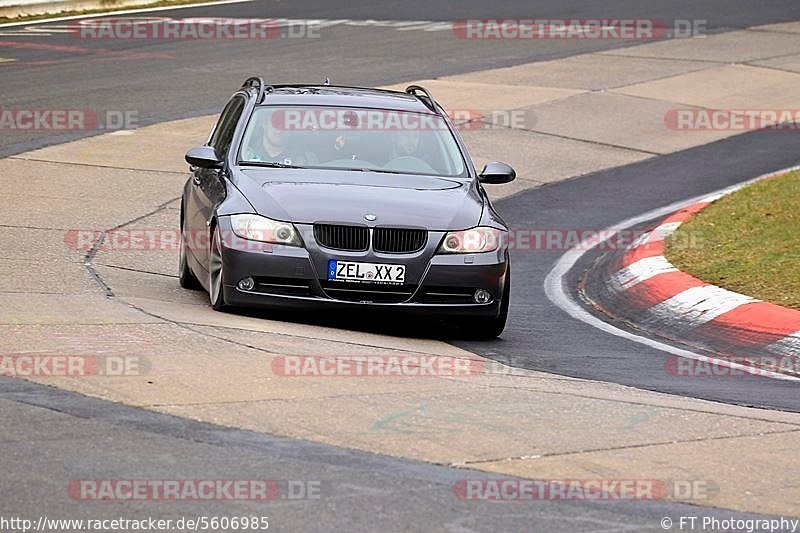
(343,138)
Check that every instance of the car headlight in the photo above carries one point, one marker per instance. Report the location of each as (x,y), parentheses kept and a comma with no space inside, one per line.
(263,229)
(475,240)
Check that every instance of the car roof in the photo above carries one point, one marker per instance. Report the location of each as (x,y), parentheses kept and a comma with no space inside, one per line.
(338,96)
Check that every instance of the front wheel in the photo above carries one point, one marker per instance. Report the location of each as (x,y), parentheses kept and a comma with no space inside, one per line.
(491,327)
(215,290)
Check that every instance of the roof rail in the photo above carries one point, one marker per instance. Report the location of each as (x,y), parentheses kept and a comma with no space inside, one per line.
(255,81)
(426,97)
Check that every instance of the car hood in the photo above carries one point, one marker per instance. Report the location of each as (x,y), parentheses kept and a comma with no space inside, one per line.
(345,197)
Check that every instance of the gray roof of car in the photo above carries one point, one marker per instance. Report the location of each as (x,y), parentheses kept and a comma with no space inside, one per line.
(333,96)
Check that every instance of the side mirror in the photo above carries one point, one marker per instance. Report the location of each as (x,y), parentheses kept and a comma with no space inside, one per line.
(496,172)
(204,157)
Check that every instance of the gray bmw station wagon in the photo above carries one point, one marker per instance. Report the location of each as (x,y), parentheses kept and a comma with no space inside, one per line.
(342,197)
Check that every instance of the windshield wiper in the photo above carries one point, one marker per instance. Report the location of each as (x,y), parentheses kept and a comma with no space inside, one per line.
(267,164)
(381,171)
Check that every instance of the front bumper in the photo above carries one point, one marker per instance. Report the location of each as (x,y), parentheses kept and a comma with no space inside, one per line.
(291,277)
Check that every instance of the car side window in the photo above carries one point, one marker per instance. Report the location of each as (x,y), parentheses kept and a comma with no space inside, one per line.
(226,126)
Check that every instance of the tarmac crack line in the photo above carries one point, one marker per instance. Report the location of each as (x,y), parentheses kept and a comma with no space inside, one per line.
(365,345)
(76,323)
(718,63)
(92,253)
(137,270)
(14,226)
(765,30)
(94,165)
(768,67)
(267,400)
(486,386)
(567,137)
(660,78)
(619,448)
(643,404)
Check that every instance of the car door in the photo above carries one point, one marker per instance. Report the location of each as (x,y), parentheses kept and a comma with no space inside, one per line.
(207,188)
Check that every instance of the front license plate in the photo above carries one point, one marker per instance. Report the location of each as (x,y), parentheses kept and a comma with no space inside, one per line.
(366,272)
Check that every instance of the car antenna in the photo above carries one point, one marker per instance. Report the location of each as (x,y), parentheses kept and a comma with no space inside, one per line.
(327,80)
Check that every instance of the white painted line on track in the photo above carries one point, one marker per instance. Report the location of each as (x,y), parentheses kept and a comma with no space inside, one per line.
(640,271)
(555,283)
(786,346)
(663,231)
(44,28)
(121,12)
(697,305)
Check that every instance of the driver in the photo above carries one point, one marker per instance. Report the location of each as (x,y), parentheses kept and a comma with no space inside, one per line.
(404,143)
(275,147)
(275,143)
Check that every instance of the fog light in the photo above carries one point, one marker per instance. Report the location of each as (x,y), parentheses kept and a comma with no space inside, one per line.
(246,284)
(482,296)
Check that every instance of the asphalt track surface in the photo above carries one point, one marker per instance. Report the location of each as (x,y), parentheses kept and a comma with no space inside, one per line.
(50,436)
(542,337)
(163,80)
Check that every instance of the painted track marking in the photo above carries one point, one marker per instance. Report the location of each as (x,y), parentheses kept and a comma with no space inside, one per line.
(555,282)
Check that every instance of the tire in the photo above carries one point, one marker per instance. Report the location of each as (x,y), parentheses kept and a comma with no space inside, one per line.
(488,328)
(216,292)
(186,277)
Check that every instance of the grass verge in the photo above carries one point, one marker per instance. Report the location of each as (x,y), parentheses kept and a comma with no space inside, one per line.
(748,242)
